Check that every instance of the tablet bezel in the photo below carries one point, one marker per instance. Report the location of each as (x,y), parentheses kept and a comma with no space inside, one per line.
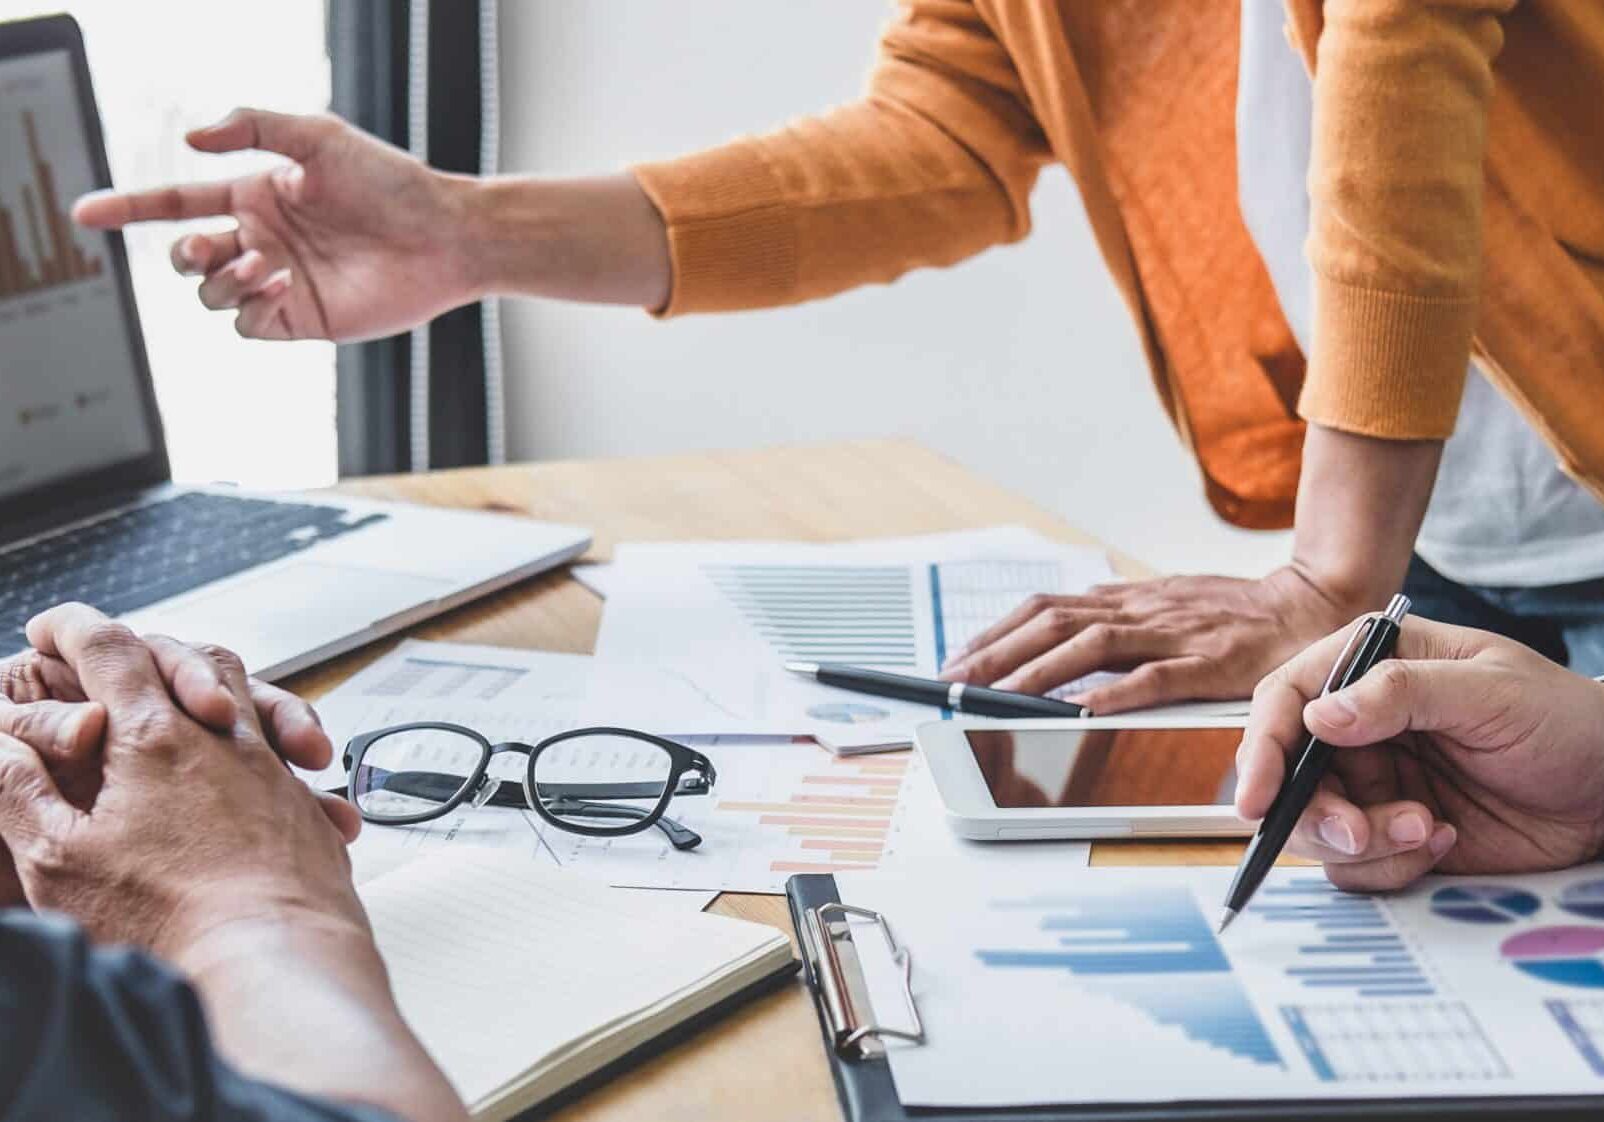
(973,813)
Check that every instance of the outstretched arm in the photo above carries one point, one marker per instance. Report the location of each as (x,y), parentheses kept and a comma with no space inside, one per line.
(355,239)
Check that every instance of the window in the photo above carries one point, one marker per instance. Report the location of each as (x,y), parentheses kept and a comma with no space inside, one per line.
(258,414)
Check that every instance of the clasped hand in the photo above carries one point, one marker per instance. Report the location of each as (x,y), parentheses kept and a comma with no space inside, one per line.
(160,758)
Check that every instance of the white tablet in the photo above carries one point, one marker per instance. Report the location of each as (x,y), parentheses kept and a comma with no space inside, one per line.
(1102,777)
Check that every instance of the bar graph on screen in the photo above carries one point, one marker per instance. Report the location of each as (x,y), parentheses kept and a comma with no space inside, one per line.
(38,248)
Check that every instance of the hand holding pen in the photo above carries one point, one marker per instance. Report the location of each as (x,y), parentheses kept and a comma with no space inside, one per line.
(1371,641)
(1466,752)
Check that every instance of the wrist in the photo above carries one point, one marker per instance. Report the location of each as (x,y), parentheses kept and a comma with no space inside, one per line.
(599,240)
(209,929)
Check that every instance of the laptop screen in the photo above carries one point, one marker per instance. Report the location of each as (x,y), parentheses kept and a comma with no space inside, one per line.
(71,392)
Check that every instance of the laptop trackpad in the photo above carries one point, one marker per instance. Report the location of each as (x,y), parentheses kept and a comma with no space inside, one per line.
(270,617)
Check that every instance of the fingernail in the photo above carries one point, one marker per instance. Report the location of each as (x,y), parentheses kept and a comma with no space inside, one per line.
(1336,710)
(1442,840)
(190,252)
(1335,833)
(1407,829)
(277,283)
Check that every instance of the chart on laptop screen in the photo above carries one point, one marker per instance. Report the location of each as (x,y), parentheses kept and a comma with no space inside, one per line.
(69,386)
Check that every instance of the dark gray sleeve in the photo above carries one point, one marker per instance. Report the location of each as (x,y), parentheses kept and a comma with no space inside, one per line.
(91,1034)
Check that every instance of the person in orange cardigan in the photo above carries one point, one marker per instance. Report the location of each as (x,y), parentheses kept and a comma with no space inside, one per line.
(1340,226)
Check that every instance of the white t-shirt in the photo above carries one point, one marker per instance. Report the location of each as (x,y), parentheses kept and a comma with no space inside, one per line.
(1502,512)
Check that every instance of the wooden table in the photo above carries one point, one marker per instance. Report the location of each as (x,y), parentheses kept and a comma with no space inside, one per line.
(766,1062)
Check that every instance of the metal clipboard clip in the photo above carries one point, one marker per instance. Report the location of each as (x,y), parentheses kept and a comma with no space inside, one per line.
(837,970)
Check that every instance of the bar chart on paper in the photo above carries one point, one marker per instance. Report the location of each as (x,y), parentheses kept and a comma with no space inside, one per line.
(874,615)
(779,808)
(1154,952)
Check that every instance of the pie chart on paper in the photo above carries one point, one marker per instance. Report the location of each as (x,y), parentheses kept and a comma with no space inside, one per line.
(1585,898)
(1568,956)
(1484,903)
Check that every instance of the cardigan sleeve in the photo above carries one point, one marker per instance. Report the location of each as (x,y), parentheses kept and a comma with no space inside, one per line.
(934,164)
(1401,92)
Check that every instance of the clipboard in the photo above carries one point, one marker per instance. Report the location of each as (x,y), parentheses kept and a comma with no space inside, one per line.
(854,1042)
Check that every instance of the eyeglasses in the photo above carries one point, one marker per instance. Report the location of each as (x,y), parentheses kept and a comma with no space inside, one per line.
(600,782)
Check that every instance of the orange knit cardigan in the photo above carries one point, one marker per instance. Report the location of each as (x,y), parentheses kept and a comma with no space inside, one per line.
(1457,185)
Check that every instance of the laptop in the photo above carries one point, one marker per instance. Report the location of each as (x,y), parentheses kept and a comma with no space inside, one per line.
(88,510)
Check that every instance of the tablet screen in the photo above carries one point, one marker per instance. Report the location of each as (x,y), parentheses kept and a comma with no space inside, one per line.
(1107,767)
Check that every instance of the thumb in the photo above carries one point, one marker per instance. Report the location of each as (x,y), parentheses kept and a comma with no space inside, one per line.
(65,735)
(292,136)
(1399,696)
(31,807)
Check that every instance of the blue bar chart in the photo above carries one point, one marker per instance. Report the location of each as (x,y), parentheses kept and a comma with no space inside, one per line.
(1154,952)
(1583,1025)
(1350,945)
(860,614)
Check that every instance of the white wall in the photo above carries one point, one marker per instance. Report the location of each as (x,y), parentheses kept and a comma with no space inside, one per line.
(1021,363)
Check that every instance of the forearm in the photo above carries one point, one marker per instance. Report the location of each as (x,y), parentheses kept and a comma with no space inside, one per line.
(307,1005)
(1360,504)
(598,240)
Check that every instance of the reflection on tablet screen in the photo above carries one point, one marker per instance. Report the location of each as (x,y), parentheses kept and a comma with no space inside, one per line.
(1107,767)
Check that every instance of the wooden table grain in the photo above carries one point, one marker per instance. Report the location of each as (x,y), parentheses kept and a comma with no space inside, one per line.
(767,1061)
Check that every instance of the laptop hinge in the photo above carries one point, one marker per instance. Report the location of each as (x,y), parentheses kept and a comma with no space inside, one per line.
(65,515)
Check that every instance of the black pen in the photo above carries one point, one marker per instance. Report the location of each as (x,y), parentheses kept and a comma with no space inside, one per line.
(1372,640)
(979,700)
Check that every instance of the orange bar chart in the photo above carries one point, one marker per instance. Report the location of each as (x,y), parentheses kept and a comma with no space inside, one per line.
(836,817)
(56,258)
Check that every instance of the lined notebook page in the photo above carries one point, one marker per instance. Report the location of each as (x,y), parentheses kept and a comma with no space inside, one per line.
(498,964)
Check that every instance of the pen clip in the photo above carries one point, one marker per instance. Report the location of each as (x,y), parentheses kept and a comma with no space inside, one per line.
(1356,638)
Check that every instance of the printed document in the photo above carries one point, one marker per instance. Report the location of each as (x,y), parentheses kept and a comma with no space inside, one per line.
(1105,986)
(781,805)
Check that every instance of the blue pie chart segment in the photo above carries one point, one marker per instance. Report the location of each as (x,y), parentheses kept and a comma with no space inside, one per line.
(1585,898)
(1485,903)
(1568,956)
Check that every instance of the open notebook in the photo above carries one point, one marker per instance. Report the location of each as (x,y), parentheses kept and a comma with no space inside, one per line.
(525,983)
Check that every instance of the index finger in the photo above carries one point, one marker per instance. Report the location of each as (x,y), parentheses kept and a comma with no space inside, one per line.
(112,210)
(110,662)
(1275,723)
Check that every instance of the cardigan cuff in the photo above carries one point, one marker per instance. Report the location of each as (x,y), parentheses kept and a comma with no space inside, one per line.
(732,240)
(1386,365)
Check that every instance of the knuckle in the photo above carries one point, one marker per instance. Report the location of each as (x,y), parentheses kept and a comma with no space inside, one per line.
(106,639)
(1097,639)
(154,729)
(225,659)
(48,857)
(1061,618)
(1395,677)
(22,678)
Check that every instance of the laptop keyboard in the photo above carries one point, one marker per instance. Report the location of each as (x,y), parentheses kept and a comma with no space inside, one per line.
(134,559)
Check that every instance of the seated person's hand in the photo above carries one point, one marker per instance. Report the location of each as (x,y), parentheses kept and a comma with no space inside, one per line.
(1181,638)
(191,829)
(56,719)
(354,239)
(1465,753)
(202,847)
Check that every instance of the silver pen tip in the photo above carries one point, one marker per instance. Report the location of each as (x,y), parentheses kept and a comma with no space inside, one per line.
(1225,920)
(811,669)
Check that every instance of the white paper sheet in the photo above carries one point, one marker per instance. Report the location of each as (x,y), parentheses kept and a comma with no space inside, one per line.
(727,616)
(1110,986)
(780,806)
